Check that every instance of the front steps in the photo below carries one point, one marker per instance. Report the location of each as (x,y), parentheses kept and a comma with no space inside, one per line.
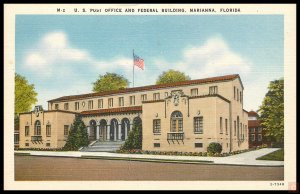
(103,146)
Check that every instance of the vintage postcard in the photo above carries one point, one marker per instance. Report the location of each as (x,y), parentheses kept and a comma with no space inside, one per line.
(144,97)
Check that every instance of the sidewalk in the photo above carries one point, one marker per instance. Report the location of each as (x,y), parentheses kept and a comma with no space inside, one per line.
(248,158)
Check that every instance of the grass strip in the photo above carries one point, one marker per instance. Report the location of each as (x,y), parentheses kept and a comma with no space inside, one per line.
(275,156)
(22,154)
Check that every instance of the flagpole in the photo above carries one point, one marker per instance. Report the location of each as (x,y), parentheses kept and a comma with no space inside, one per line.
(133,69)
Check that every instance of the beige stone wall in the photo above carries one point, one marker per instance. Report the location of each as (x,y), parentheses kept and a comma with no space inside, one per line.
(210,108)
(56,119)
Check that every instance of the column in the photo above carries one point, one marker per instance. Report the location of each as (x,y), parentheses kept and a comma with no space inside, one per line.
(88,131)
(108,132)
(119,131)
(97,132)
(115,133)
(126,131)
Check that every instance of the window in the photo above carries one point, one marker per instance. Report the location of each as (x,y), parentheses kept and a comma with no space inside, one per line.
(234,92)
(259,129)
(100,103)
(221,125)
(198,124)
(198,145)
(156,145)
(16,138)
(76,105)
(121,101)
(48,144)
(37,128)
(48,130)
(176,122)
(259,137)
(56,106)
(26,130)
(234,128)
(226,126)
(132,100)
(246,131)
(241,97)
(26,144)
(237,94)
(156,126)
(90,104)
(166,94)
(213,90)
(66,106)
(110,102)
(144,97)
(194,92)
(66,130)
(156,96)
(252,137)
(241,130)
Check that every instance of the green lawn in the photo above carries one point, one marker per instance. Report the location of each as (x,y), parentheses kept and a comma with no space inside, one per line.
(277,155)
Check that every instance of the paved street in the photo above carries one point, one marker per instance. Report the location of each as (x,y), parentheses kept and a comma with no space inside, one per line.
(61,168)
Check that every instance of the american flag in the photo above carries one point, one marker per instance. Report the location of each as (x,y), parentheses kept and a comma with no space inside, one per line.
(138,62)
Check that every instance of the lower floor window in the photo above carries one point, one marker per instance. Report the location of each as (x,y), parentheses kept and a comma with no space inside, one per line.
(198,145)
(27,144)
(48,144)
(252,137)
(156,145)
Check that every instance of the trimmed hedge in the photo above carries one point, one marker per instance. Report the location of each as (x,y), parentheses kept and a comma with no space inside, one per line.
(214,148)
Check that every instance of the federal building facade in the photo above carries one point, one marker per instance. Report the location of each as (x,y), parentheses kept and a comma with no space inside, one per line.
(184,116)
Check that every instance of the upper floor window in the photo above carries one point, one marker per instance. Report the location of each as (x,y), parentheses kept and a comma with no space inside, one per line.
(246,130)
(156,96)
(176,122)
(66,130)
(56,106)
(194,92)
(237,94)
(37,128)
(213,89)
(48,130)
(241,97)
(198,124)
(66,106)
(156,126)
(234,92)
(121,101)
(100,103)
(26,130)
(76,105)
(90,104)
(252,130)
(132,100)
(259,130)
(110,102)
(144,97)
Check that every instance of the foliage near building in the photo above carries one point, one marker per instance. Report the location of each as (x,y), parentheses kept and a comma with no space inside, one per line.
(171,76)
(78,136)
(214,148)
(109,82)
(134,140)
(272,113)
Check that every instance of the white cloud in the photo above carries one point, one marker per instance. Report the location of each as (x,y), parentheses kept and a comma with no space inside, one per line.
(212,58)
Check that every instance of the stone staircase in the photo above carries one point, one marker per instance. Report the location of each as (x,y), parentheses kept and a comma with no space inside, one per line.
(103,146)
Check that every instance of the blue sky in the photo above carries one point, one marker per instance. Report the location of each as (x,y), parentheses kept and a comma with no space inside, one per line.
(63,55)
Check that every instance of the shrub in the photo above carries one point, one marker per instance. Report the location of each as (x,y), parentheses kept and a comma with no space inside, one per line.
(134,140)
(214,148)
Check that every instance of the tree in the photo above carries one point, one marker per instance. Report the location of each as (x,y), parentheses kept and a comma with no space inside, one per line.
(110,81)
(25,95)
(78,136)
(272,112)
(134,140)
(171,76)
